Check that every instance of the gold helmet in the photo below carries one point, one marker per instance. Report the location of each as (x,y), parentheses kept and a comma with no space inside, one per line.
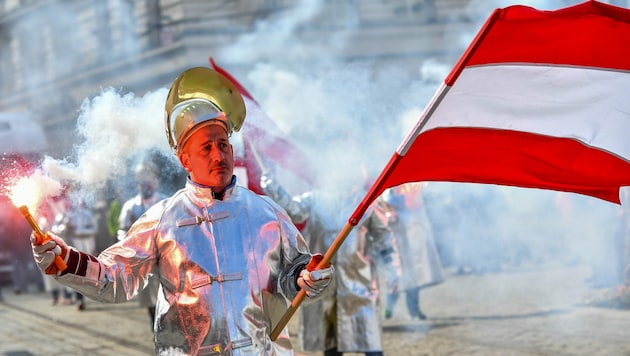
(201,96)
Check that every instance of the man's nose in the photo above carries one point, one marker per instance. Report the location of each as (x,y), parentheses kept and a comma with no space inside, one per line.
(215,153)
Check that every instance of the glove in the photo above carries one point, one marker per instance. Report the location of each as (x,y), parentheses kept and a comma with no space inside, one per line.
(50,252)
(266,179)
(314,281)
(121,234)
(392,217)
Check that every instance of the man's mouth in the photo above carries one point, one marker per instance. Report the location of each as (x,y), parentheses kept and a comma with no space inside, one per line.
(219,169)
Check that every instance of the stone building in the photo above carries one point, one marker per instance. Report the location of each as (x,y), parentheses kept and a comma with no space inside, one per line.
(55,53)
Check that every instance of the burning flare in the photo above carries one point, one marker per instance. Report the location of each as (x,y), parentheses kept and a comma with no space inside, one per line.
(24,194)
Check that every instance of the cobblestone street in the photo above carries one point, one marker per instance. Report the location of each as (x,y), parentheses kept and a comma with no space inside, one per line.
(525,311)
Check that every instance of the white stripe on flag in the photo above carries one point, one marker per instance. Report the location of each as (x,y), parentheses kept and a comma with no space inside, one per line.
(589,105)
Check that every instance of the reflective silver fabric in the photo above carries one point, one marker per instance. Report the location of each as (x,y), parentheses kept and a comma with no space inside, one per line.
(220,263)
(353,307)
(131,211)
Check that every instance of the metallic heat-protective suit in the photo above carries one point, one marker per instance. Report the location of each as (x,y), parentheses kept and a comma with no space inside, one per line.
(131,211)
(349,317)
(413,234)
(226,269)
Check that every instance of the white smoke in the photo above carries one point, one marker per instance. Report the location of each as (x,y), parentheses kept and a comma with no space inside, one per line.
(114,131)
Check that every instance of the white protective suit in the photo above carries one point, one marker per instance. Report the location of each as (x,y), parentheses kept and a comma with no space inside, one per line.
(420,263)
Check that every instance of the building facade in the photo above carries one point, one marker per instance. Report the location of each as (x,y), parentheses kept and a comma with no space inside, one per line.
(54,54)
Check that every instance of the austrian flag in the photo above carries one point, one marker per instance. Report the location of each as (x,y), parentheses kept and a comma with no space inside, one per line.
(540,99)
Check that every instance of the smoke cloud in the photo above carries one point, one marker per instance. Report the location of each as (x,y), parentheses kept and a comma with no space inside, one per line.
(114,132)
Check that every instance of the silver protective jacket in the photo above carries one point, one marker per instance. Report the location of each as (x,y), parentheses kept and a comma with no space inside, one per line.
(131,211)
(349,317)
(226,269)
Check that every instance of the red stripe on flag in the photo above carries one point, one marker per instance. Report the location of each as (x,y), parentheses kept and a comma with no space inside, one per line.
(589,34)
(511,158)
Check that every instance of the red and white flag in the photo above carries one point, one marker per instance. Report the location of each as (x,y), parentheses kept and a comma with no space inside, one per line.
(540,99)
(264,145)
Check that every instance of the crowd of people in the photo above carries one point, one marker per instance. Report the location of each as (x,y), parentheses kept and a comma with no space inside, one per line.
(216,264)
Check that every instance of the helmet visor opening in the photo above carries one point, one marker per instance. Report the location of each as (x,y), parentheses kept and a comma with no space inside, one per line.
(190,115)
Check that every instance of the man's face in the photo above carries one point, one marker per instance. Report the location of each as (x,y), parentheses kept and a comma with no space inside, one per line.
(208,157)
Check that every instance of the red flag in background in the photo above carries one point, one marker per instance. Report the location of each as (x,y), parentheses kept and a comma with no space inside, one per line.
(538,100)
(265,147)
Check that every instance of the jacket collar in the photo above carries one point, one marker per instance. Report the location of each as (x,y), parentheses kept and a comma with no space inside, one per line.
(203,195)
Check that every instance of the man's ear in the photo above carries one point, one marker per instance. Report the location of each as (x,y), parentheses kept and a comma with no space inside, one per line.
(183,159)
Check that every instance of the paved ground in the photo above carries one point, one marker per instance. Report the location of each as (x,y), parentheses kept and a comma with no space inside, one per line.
(526,311)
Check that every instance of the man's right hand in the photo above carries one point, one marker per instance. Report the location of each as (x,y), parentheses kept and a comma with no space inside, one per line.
(51,255)
(313,280)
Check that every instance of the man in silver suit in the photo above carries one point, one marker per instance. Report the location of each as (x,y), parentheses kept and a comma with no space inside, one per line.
(228,260)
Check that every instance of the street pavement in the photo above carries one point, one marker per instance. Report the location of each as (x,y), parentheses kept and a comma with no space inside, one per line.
(535,310)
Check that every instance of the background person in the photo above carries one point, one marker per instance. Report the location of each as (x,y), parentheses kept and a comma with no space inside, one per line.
(147,178)
(79,226)
(49,214)
(420,263)
(348,319)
